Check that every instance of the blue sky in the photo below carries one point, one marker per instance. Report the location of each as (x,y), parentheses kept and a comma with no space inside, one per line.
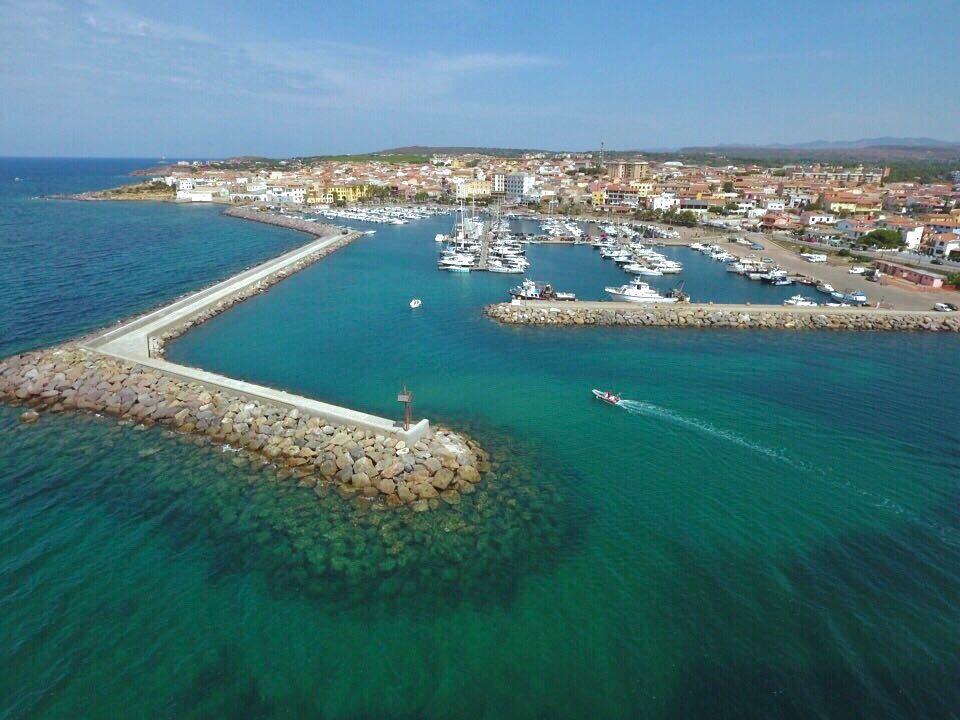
(204,79)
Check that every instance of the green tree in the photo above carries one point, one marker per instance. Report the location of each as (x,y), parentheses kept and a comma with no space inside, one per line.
(728,186)
(882,238)
(421,196)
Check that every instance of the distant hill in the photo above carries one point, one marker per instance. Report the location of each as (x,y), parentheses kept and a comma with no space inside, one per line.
(460,150)
(863,150)
(900,142)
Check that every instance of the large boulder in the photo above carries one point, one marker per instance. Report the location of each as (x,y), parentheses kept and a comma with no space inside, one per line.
(442,480)
(425,490)
(364,465)
(405,493)
(392,470)
(469,474)
(360,480)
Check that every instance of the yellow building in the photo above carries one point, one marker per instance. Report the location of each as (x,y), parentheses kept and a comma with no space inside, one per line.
(330,194)
(474,189)
(644,189)
(599,197)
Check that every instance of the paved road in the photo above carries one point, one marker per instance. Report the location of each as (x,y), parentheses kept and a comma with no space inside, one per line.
(889,291)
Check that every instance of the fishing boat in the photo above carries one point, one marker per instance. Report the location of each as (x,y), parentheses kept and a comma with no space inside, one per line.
(530,290)
(638,292)
(415,303)
(607,397)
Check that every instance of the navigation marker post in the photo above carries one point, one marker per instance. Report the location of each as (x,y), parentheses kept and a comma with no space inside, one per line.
(405,397)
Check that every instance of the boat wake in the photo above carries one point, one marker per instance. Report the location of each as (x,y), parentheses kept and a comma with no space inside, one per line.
(880,502)
(636,407)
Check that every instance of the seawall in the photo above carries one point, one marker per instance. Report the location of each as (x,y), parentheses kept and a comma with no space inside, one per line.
(766,317)
(120,371)
(245,212)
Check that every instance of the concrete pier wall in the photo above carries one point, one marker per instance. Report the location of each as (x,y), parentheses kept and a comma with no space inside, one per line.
(141,340)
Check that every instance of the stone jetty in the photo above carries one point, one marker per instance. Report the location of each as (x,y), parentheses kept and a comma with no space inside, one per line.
(246,212)
(120,372)
(158,341)
(764,317)
(435,470)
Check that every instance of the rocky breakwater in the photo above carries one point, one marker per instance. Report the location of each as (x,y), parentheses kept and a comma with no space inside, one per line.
(245,212)
(724,317)
(361,465)
(158,342)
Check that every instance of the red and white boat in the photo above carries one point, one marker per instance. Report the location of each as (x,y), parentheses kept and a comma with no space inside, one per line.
(607,397)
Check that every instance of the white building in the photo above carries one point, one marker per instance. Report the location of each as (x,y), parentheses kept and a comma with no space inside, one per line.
(665,202)
(294,195)
(205,193)
(499,186)
(518,186)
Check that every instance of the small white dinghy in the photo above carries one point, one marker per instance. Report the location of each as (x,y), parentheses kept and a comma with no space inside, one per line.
(415,303)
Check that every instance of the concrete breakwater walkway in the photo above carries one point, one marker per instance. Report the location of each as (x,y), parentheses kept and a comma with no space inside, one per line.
(121,372)
(767,317)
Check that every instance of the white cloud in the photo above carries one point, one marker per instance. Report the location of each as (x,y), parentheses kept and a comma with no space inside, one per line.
(104,41)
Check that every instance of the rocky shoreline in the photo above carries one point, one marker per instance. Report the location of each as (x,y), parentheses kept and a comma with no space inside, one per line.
(360,464)
(718,316)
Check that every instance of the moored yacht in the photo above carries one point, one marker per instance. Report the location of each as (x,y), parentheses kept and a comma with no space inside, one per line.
(638,292)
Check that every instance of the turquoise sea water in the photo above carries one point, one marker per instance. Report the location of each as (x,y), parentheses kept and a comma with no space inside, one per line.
(770,527)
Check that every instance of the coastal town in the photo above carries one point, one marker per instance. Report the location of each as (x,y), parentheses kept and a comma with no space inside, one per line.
(872,220)
(830,205)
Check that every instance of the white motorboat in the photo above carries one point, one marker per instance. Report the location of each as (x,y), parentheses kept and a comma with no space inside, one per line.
(607,396)
(825,288)
(415,303)
(799,301)
(638,292)
(668,267)
(511,268)
(530,290)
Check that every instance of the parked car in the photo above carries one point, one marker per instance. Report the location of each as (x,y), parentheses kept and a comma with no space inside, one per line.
(944,307)
(937,261)
(857,270)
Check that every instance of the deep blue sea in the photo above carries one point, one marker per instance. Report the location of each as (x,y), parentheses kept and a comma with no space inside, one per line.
(769,529)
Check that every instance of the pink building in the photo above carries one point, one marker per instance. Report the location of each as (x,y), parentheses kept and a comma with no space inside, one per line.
(918,277)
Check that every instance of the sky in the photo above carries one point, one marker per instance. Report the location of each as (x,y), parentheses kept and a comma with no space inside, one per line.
(115,78)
